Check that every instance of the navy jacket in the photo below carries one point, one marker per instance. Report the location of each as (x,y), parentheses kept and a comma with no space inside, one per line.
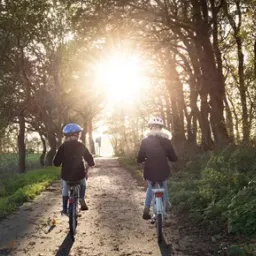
(155,151)
(71,156)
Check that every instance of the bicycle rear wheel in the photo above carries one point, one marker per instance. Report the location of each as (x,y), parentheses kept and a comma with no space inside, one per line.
(73,217)
(159,228)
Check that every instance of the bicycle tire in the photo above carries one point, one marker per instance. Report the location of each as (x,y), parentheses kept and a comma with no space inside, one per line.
(159,227)
(71,219)
(74,216)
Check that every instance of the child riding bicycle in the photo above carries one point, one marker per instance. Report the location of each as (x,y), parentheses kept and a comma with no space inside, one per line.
(155,150)
(72,155)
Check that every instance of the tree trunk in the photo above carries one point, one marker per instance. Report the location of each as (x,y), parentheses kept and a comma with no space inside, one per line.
(53,146)
(254,50)
(229,120)
(207,142)
(214,86)
(168,111)
(175,91)
(236,119)
(194,127)
(218,56)
(42,156)
(194,112)
(242,88)
(59,139)
(212,82)
(91,142)
(84,132)
(197,88)
(162,110)
(21,144)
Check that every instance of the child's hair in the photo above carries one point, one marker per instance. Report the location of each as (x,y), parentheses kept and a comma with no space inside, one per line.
(155,127)
(72,137)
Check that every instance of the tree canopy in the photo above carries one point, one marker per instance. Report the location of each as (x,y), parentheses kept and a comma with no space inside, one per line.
(197,65)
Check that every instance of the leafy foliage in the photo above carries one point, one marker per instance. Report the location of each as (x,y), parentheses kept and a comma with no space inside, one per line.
(219,191)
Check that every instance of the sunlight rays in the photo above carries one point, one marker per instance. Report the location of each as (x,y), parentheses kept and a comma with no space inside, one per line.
(121,77)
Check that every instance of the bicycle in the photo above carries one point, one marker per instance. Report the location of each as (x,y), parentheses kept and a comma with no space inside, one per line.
(158,205)
(73,207)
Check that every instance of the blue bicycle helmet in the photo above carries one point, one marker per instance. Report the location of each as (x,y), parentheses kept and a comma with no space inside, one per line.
(71,129)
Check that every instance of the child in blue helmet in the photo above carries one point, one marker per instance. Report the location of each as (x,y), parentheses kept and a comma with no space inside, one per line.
(72,155)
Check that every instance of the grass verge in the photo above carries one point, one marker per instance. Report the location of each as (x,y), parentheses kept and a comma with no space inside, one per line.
(217,190)
(129,163)
(24,187)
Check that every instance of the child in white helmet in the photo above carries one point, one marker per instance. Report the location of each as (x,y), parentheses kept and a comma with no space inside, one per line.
(155,150)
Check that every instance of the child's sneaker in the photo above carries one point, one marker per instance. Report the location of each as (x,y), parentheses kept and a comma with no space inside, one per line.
(64,205)
(64,212)
(146,215)
(83,204)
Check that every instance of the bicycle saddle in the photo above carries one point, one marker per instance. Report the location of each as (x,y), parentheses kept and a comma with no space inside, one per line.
(73,183)
(153,183)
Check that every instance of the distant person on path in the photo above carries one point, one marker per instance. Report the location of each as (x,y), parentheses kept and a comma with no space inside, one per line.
(155,150)
(72,155)
(98,141)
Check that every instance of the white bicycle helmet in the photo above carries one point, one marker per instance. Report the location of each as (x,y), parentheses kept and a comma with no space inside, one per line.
(156,121)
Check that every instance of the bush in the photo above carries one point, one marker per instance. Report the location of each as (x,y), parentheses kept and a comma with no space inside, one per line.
(218,188)
(241,213)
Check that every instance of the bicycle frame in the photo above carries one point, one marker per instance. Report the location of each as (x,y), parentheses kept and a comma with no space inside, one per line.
(158,202)
(159,211)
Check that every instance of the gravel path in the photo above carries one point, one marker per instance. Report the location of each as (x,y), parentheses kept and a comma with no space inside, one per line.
(112,226)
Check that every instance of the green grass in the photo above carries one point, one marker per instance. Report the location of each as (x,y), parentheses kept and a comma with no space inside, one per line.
(9,164)
(33,157)
(7,157)
(24,187)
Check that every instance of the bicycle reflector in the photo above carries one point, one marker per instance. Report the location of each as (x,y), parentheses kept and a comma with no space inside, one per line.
(159,194)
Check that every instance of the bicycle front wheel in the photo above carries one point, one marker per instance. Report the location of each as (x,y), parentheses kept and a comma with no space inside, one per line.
(159,228)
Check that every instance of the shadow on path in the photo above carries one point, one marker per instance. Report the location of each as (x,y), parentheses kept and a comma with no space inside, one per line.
(5,251)
(66,246)
(165,249)
(29,217)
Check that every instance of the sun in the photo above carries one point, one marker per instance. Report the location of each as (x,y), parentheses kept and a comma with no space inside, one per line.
(121,77)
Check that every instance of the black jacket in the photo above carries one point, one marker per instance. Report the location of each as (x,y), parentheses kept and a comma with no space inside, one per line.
(71,156)
(155,150)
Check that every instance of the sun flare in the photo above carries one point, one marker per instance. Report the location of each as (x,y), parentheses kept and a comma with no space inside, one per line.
(121,78)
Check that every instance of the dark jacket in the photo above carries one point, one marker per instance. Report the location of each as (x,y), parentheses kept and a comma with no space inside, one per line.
(155,150)
(71,156)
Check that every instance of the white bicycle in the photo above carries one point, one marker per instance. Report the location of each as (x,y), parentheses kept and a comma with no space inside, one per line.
(159,208)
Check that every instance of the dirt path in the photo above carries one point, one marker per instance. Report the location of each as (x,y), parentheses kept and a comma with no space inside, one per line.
(112,226)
